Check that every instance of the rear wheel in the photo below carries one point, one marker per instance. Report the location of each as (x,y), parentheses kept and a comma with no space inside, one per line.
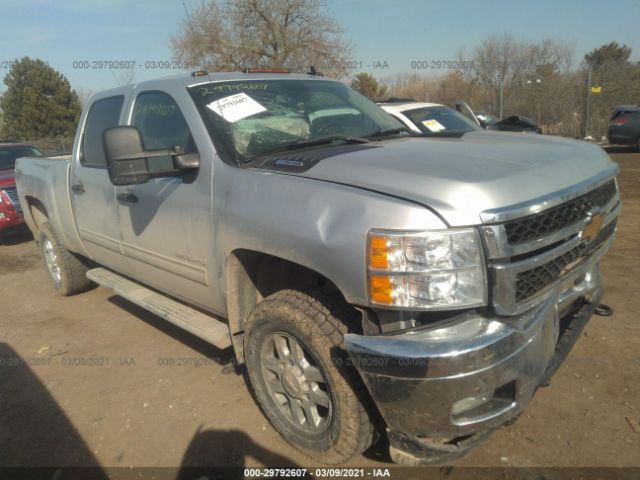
(301,377)
(67,272)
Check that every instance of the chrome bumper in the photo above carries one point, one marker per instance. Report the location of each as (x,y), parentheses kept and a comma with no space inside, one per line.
(442,391)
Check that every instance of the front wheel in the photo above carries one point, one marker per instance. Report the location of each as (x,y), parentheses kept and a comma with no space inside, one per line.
(301,377)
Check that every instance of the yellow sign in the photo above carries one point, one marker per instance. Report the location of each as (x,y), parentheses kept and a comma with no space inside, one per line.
(596,89)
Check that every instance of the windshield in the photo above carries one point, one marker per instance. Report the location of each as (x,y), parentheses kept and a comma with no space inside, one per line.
(256,117)
(440,121)
(9,155)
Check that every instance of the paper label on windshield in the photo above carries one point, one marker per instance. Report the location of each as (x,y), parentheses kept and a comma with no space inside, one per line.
(236,107)
(433,125)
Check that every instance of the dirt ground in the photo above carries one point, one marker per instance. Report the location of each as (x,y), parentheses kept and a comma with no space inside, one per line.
(93,380)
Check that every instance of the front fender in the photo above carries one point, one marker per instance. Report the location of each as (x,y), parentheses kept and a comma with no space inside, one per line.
(317,224)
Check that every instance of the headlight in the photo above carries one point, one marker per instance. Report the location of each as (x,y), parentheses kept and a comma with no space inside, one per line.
(426,270)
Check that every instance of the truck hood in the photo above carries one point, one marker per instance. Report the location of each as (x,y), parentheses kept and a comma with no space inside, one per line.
(459,178)
(7,178)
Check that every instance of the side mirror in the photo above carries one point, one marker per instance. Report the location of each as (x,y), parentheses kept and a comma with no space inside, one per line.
(127,159)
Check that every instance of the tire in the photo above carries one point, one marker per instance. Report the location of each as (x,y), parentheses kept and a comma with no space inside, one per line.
(66,271)
(310,395)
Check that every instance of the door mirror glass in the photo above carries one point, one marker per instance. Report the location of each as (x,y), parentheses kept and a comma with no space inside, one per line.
(129,163)
(126,157)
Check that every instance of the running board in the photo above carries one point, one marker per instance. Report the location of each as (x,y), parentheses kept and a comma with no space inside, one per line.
(208,328)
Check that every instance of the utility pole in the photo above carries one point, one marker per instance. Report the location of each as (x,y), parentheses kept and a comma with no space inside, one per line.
(500,88)
(533,82)
(586,120)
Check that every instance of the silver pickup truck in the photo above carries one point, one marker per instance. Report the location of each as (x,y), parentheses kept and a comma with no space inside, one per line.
(371,280)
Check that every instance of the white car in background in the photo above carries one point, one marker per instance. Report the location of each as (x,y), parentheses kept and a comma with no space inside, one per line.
(430,118)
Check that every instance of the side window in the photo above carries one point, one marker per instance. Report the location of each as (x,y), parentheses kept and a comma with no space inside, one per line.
(102,115)
(162,125)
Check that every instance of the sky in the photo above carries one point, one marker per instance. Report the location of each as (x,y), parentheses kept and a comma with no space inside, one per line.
(387,35)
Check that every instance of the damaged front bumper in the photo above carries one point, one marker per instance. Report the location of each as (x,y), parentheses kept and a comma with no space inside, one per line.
(443,391)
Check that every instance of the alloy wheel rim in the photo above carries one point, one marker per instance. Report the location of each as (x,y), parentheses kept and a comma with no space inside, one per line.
(296,384)
(51,259)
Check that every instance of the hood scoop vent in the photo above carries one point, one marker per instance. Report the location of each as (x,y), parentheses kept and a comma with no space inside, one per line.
(301,161)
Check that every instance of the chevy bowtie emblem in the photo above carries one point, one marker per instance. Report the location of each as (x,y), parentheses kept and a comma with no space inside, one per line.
(593,227)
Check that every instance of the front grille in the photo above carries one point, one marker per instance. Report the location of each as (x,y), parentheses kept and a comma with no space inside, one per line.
(530,282)
(531,228)
(12,192)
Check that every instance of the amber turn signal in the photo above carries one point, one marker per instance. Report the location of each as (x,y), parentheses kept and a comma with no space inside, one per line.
(378,253)
(381,288)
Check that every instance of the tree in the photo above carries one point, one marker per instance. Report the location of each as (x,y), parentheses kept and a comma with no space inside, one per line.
(497,62)
(366,84)
(125,76)
(240,34)
(608,54)
(38,102)
(531,79)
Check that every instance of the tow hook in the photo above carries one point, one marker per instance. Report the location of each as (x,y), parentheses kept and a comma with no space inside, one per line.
(603,310)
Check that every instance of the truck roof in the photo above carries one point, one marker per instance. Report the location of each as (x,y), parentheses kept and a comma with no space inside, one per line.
(13,144)
(627,108)
(190,80)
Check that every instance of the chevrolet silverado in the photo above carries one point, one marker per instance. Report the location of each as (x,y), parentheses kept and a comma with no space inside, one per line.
(370,279)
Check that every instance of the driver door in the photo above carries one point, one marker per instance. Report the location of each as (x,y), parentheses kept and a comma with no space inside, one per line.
(166,222)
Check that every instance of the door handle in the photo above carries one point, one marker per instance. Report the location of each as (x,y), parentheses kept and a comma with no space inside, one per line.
(78,188)
(127,198)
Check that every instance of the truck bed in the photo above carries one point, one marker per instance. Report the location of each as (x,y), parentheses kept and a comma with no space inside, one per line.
(47,180)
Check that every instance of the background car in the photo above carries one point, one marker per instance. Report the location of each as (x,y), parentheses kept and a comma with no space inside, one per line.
(429,118)
(624,126)
(513,123)
(10,210)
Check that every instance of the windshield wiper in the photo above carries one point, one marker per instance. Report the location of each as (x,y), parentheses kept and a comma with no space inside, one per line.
(325,140)
(390,131)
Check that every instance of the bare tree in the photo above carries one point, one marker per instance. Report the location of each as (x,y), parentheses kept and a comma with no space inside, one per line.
(498,62)
(444,88)
(124,76)
(83,95)
(533,79)
(549,52)
(408,85)
(240,34)
(537,79)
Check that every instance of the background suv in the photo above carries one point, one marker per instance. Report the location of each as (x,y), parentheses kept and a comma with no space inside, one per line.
(624,126)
